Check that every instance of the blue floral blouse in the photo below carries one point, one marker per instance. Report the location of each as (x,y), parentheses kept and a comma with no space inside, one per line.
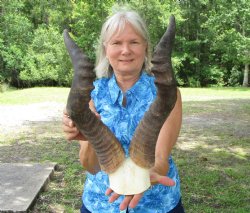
(122,121)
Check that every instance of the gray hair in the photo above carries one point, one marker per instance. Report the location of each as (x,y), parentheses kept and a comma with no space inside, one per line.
(115,23)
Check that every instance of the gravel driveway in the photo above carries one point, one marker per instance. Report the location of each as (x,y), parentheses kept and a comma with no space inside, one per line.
(15,117)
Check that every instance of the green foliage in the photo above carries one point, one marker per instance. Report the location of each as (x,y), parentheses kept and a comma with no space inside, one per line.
(229,37)
(46,60)
(211,47)
(215,36)
(15,39)
(3,87)
(234,77)
(87,19)
(212,75)
(53,12)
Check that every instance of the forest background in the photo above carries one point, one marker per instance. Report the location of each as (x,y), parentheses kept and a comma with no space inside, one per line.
(212,46)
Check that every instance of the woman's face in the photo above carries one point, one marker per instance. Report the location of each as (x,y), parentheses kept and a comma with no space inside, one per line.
(126,51)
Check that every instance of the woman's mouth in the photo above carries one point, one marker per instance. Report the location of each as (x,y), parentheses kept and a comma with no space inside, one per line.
(126,60)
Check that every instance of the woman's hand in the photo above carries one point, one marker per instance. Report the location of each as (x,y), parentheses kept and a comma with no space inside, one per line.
(156,177)
(69,128)
(129,200)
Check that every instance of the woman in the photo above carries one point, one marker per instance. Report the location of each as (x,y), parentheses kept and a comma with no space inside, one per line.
(122,95)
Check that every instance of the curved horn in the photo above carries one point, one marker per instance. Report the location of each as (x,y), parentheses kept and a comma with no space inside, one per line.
(142,149)
(108,149)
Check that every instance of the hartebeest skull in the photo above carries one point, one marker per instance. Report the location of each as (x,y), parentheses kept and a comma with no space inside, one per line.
(109,151)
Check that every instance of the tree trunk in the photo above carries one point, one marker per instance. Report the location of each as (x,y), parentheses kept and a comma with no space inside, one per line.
(246,71)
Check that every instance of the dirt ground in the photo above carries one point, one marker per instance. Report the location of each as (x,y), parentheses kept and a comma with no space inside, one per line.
(16,117)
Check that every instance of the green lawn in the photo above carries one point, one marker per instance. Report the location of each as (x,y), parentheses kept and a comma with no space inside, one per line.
(34,95)
(212,152)
(59,94)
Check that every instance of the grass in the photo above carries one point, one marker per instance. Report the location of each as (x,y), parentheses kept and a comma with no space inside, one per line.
(205,94)
(34,95)
(213,150)
(212,153)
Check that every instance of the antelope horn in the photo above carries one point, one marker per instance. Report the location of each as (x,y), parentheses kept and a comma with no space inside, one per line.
(142,148)
(108,149)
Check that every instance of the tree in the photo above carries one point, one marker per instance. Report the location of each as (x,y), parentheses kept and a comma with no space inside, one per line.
(193,46)
(46,62)
(211,46)
(87,19)
(230,27)
(51,13)
(14,40)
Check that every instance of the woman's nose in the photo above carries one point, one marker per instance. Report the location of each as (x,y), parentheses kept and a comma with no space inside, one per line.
(126,49)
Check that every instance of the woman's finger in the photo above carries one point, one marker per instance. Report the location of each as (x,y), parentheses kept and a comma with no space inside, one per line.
(65,112)
(68,122)
(108,191)
(135,200)
(93,109)
(166,181)
(68,129)
(125,203)
(156,178)
(113,197)
(70,137)
(70,133)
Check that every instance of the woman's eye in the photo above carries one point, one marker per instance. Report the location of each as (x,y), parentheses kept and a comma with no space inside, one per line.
(134,42)
(115,43)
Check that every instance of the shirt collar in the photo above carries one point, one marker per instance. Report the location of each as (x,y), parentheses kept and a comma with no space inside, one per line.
(139,86)
(115,90)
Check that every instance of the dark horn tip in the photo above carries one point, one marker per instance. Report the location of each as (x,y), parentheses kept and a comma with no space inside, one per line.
(172,20)
(172,17)
(65,33)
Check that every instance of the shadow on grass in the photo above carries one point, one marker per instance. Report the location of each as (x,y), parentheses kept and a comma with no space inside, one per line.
(213,155)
